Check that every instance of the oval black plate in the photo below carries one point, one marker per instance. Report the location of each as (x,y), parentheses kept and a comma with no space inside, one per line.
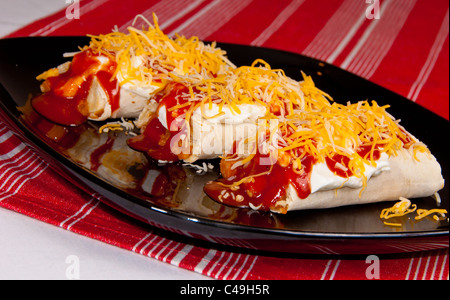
(344,230)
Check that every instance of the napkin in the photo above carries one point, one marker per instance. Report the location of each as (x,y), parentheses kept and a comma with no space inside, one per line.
(401,45)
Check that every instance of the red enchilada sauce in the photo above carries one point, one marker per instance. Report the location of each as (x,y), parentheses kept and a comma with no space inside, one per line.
(262,191)
(337,160)
(65,101)
(156,139)
(269,183)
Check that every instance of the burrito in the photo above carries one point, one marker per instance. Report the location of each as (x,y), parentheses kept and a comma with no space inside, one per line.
(117,74)
(328,156)
(182,126)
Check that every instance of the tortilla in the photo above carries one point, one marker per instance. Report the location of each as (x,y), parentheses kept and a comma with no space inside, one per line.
(406,177)
(99,108)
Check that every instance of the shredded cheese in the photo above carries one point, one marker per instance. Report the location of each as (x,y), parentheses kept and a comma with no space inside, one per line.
(310,122)
(404,207)
(110,126)
(121,125)
(399,209)
(147,56)
(437,213)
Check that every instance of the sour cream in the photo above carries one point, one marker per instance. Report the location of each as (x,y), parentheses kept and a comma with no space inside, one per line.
(323,179)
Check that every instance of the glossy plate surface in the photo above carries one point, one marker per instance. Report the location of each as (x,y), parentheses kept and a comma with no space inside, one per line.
(104,164)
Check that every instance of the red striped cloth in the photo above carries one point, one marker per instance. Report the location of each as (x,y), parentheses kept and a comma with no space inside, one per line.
(404,48)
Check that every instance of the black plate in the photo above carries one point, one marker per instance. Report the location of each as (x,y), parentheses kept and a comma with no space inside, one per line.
(344,230)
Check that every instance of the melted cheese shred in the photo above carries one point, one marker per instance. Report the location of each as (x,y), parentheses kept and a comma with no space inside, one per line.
(147,56)
(405,207)
(122,125)
(436,212)
(343,129)
(399,209)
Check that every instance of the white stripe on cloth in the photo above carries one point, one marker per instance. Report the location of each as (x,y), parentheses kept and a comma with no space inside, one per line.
(15,166)
(419,262)
(150,242)
(92,203)
(187,9)
(327,268)
(164,247)
(205,261)
(430,62)
(14,185)
(12,161)
(164,10)
(231,257)
(287,12)
(226,262)
(338,31)
(205,22)
(49,28)
(141,241)
(18,166)
(10,154)
(181,255)
(217,261)
(444,263)
(151,239)
(378,38)
(232,268)
(249,268)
